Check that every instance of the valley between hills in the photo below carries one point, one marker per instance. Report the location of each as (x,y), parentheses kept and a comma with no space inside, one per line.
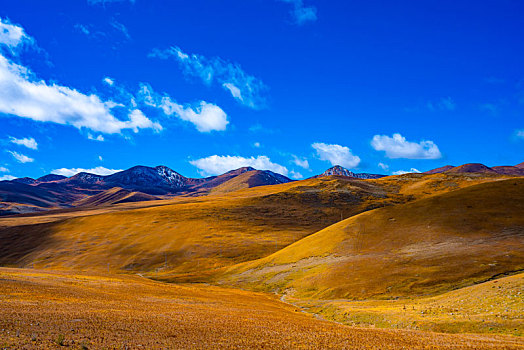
(147,258)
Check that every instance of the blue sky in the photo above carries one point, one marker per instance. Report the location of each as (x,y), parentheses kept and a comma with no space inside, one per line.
(293,86)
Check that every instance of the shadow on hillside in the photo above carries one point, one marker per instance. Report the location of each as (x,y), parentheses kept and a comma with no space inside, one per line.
(19,242)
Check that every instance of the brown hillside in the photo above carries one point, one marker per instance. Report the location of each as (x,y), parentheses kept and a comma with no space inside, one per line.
(114,196)
(188,238)
(427,246)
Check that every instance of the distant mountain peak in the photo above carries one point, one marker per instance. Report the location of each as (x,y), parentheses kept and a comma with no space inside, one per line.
(341,171)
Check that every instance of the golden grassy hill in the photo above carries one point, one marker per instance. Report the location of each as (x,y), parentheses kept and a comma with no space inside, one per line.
(50,310)
(426,246)
(114,195)
(187,239)
(490,307)
(187,234)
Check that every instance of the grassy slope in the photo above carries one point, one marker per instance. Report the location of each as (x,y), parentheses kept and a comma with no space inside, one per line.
(427,246)
(39,309)
(186,239)
(192,234)
(490,307)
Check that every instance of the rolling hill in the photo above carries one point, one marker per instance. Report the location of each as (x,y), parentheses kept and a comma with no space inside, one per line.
(114,195)
(425,246)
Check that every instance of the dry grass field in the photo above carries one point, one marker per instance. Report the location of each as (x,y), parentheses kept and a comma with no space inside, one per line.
(424,247)
(491,307)
(406,255)
(53,310)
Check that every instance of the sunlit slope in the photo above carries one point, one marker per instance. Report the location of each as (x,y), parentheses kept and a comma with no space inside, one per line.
(191,235)
(490,307)
(426,246)
(50,310)
(114,195)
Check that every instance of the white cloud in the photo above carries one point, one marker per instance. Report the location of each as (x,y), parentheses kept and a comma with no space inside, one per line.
(383,166)
(301,162)
(398,147)
(12,36)
(302,13)
(99,170)
(22,95)
(216,165)
(520,133)
(256,144)
(402,172)
(108,81)
(205,116)
(336,155)
(120,27)
(3,169)
(20,157)
(100,158)
(7,177)
(28,142)
(296,175)
(246,89)
(82,28)
(95,138)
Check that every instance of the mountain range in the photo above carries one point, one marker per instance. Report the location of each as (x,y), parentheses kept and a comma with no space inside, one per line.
(142,183)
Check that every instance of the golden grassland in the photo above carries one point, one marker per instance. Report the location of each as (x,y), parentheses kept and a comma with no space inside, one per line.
(427,246)
(177,239)
(407,248)
(491,307)
(50,310)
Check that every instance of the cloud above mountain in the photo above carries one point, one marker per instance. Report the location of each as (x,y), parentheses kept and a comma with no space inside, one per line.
(215,165)
(336,154)
(398,147)
(99,170)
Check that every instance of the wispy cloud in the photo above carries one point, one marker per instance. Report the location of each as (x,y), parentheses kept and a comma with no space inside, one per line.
(245,88)
(301,162)
(383,166)
(13,37)
(336,154)
(99,170)
(28,142)
(444,104)
(3,169)
(402,172)
(259,128)
(95,138)
(215,165)
(21,157)
(296,175)
(520,134)
(398,147)
(108,81)
(82,28)
(7,177)
(206,117)
(302,13)
(120,28)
